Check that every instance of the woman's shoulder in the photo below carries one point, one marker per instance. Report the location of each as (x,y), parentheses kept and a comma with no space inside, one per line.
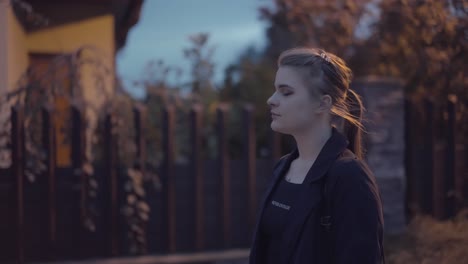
(351,170)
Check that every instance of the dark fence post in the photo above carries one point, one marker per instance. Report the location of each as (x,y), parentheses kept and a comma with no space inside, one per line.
(250,159)
(223,157)
(438,163)
(462,159)
(429,135)
(451,155)
(197,168)
(169,173)
(461,170)
(276,146)
(460,167)
(139,117)
(139,114)
(49,145)
(111,183)
(411,195)
(78,157)
(17,134)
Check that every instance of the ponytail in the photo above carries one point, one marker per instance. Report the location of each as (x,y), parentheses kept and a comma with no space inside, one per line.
(353,123)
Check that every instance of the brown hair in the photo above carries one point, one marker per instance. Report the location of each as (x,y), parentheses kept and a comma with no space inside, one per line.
(334,77)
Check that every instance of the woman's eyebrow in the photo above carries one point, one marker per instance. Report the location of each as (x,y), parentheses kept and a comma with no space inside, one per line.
(284,86)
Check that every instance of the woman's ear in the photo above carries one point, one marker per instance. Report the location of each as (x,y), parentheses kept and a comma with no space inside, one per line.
(325,103)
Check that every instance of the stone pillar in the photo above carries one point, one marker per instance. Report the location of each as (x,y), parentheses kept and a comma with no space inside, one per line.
(385,143)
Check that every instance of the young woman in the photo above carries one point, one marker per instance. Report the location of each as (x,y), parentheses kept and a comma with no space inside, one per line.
(323,204)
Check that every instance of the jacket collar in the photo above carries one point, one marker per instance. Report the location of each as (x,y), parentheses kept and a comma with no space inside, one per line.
(334,146)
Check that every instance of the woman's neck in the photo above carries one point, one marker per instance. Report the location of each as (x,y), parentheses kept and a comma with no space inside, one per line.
(310,142)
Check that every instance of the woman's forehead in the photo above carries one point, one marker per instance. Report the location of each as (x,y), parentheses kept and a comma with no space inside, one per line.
(288,76)
(294,76)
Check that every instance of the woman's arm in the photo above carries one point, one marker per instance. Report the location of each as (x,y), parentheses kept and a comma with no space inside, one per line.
(357,224)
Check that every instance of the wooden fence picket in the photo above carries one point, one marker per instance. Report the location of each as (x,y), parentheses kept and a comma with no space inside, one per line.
(18,153)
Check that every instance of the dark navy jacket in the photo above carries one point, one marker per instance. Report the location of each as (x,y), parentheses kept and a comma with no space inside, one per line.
(356,231)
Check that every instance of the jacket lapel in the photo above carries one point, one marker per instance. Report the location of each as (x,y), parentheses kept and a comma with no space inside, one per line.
(279,171)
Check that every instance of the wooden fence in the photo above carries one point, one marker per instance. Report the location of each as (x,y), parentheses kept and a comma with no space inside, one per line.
(202,205)
(436,156)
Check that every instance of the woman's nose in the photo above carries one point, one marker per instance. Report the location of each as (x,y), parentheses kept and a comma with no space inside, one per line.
(271,101)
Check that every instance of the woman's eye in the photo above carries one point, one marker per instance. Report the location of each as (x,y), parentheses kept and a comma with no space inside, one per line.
(287,93)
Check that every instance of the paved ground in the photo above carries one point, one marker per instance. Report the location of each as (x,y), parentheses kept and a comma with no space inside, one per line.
(234,256)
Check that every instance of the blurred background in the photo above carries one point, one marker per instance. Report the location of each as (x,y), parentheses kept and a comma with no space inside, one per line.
(139,130)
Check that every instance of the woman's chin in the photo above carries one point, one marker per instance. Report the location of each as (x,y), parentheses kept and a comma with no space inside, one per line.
(275,127)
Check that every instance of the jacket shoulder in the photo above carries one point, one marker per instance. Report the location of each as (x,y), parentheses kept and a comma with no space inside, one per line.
(351,171)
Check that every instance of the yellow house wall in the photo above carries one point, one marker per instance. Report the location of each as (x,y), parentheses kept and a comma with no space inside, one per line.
(95,32)
(13,50)
(3,48)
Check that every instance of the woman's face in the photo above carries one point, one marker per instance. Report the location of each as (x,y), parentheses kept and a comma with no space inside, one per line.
(293,108)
